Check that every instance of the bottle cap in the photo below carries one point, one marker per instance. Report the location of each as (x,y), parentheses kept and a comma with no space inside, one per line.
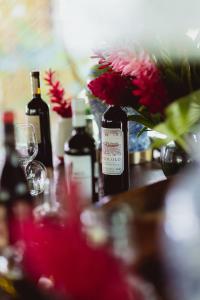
(8,117)
(35,73)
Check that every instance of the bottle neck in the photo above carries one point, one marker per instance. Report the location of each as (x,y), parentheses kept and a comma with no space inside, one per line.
(35,84)
(37,96)
(9,134)
(117,107)
(78,130)
(78,120)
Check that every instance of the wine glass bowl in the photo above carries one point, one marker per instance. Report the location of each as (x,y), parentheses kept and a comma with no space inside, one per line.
(27,149)
(36,174)
(26,143)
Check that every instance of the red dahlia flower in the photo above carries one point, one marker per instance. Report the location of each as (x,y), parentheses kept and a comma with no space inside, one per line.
(150,89)
(113,88)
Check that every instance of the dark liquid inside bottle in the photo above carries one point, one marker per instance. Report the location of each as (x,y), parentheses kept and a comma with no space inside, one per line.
(13,183)
(82,146)
(37,112)
(115,166)
(80,154)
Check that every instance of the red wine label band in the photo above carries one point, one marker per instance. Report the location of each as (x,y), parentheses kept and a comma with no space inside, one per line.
(79,170)
(112,151)
(35,121)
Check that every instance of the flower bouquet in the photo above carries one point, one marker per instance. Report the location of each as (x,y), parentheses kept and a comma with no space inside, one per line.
(98,107)
(161,87)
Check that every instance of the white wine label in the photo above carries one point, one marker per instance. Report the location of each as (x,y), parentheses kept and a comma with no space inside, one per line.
(35,121)
(79,170)
(112,151)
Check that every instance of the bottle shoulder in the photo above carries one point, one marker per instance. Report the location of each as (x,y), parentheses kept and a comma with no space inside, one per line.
(115,113)
(80,141)
(37,103)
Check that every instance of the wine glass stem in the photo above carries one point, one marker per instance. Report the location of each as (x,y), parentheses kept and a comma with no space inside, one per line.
(24,167)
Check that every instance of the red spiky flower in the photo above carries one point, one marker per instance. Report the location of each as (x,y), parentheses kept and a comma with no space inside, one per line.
(57,95)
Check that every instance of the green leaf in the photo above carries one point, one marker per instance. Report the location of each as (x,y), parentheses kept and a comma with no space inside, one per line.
(195,73)
(144,129)
(140,119)
(181,116)
(186,74)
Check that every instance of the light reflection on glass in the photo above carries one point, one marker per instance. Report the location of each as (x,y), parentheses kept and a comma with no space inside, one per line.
(120,220)
(181,220)
(3,265)
(95,226)
(180,240)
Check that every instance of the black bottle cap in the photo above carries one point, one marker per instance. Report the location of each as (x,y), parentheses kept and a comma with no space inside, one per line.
(35,74)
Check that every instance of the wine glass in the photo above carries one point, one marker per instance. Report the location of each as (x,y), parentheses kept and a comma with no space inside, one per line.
(27,147)
(26,143)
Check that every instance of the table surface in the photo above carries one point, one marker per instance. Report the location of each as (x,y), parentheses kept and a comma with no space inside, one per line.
(140,175)
(146,196)
(145,174)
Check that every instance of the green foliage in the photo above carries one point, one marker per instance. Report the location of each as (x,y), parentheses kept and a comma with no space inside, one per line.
(142,120)
(144,129)
(96,71)
(181,117)
(180,67)
(180,70)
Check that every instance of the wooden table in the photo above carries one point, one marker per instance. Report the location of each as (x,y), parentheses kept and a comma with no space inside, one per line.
(145,174)
(140,175)
(146,200)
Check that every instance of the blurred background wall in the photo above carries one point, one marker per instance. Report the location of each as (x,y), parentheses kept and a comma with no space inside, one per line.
(30,39)
(62,34)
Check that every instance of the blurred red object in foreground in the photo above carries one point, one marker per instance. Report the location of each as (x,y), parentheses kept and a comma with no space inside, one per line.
(59,250)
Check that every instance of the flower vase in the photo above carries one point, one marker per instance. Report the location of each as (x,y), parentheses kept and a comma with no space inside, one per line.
(63,133)
(135,143)
(173,159)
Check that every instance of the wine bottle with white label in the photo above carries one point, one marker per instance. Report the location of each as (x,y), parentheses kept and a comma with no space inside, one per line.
(115,166)
(80,153)
(37,113)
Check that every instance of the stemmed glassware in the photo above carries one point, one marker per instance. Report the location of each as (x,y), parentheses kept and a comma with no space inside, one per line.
(27,147)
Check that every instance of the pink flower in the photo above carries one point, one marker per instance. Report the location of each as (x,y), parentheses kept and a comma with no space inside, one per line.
(124,62)
(142,74)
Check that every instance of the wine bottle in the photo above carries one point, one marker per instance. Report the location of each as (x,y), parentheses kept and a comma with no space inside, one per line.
(15,208)
(13,183)
(115,166)
(14,190)
(37,112)
(80,153)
